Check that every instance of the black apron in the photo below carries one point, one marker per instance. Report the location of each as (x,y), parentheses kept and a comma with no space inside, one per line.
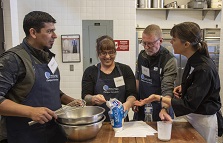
(45,93)
(147,86)
(107,88)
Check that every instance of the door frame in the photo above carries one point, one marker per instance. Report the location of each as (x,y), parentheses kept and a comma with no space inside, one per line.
(86,26)
(2,38)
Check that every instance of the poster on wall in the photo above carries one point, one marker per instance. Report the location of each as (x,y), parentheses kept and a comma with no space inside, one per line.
(70,48)
(122,45)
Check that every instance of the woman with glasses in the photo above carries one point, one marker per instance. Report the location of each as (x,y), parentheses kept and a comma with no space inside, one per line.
(156,72)
(108,79)
(198,95)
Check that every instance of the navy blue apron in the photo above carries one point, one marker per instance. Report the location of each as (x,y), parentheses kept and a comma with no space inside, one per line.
(45,93)
(107,88)
(147,86)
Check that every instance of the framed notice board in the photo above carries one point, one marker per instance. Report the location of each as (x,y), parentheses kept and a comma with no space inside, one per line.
(70,48)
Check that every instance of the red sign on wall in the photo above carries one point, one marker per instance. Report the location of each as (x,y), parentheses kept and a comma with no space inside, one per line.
(122,45)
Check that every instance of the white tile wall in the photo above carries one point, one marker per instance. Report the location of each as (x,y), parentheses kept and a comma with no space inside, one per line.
(70,13)
(14,21)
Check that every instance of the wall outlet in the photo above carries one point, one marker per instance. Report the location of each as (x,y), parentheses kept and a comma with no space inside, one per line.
(71,67)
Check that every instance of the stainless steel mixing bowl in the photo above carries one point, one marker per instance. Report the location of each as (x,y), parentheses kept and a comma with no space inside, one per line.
(82,132)
(81,116)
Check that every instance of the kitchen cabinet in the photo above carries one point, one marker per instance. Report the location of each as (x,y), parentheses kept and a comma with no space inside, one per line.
(204,11)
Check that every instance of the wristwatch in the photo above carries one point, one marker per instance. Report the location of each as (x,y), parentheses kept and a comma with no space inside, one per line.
(164,107)
(161,98)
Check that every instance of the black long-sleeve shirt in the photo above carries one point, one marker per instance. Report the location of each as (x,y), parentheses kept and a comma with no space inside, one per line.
(200,88)
(89,79)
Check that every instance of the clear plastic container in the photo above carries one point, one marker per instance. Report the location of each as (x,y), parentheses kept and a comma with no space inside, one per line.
(148,113)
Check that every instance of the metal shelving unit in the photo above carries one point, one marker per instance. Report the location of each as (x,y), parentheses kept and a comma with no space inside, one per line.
(204,11)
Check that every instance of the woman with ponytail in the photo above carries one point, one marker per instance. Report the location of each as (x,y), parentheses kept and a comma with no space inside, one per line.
(198,95)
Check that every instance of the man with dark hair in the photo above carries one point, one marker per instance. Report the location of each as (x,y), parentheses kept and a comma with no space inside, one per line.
(29,84)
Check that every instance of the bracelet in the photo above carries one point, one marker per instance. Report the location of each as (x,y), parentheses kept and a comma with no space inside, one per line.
(164,107)
(161,98)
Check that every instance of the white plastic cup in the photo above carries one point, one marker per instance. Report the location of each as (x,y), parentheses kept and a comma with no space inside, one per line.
(164,130)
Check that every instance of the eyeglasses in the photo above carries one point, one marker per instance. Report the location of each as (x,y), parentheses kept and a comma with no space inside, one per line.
(110,53)
(149,44)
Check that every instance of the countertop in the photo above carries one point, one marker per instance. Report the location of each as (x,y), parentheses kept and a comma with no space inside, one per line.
(182,132)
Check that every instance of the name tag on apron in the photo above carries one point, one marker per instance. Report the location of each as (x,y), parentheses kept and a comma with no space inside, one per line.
(53,65)
(145,71)
(119,81)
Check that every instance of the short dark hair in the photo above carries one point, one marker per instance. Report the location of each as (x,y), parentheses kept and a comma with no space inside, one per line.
(36,20)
